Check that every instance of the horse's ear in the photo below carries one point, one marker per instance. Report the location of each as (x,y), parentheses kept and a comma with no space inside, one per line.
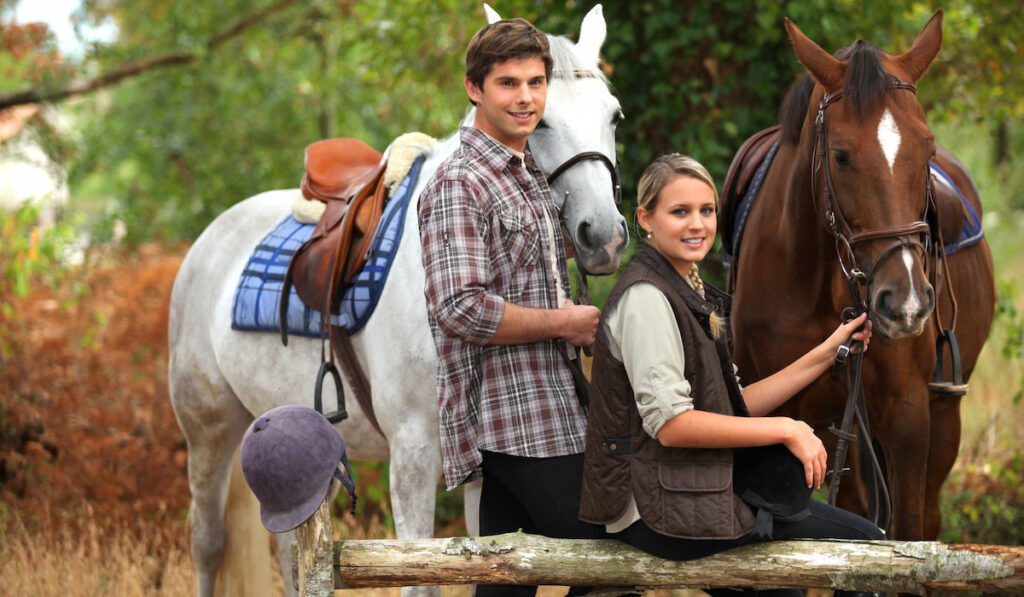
(592,33)
(825,69)
(492,15)
(918,58)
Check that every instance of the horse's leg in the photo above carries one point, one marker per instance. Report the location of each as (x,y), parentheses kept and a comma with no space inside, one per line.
(283,542)
(945,443)
(415,470)
(471,506)
(907,427)
(213,422)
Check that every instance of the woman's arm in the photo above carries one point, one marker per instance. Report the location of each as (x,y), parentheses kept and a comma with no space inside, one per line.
(701,429)
(766,395)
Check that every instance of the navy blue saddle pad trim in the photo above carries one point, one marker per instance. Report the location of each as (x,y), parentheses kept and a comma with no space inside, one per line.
(258,294)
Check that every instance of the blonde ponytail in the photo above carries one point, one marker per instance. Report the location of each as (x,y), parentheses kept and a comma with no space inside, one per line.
(715,320)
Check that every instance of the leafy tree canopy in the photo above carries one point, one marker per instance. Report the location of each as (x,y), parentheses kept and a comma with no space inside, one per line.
(223,96)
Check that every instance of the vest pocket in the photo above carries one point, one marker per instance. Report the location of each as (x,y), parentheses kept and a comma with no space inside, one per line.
(699,477)
(696,499)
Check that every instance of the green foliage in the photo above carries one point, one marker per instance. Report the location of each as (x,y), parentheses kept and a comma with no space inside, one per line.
(28,250)
(985,504)
(171,149)
(372,486)
(1012,322)
(167,151)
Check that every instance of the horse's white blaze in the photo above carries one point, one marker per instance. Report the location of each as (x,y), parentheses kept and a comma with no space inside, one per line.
(913,302)
(889,138)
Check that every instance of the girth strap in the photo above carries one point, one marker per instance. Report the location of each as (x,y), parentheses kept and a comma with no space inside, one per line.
(341,344)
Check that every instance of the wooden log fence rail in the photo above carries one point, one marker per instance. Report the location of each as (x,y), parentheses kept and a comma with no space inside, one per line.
(323,565)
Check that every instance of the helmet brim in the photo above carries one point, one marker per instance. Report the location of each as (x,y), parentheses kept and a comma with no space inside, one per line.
(287,520)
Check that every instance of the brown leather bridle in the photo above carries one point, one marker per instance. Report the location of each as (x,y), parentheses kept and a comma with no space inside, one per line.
(914,234)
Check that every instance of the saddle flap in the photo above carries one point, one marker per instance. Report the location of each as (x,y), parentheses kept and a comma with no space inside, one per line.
(337,249)
(336,169)
(741,171)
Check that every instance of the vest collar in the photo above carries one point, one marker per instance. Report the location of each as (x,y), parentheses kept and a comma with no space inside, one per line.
(650,257)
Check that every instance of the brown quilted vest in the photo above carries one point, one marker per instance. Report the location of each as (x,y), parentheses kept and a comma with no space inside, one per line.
(679,492)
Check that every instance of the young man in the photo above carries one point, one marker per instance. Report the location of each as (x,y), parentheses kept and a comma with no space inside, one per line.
(496,283)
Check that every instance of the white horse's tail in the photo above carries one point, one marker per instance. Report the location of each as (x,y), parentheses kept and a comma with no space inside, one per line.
(244,569)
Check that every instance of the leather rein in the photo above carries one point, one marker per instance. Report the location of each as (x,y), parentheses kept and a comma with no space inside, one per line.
(912,235)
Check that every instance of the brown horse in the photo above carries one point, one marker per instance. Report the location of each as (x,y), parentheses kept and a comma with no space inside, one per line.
(849,190)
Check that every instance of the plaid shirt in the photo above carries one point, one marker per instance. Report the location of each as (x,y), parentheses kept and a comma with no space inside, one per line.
(484,242)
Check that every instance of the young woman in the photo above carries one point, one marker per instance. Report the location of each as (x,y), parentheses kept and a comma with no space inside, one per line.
(667,410)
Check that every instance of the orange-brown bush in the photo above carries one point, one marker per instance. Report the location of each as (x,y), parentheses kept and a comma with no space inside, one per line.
(85,420)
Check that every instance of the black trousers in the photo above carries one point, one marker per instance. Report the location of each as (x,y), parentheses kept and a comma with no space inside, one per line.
(825,522)
(538,495)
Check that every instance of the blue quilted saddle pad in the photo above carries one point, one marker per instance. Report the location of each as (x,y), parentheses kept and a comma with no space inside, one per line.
(258,295)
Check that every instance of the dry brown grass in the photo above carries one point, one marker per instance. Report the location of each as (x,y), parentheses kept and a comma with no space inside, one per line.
(87,561)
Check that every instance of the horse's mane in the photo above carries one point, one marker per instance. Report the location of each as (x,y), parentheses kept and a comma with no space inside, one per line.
(865,85)
(568,66)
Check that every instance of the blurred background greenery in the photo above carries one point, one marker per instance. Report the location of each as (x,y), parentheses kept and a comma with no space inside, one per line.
(218,99)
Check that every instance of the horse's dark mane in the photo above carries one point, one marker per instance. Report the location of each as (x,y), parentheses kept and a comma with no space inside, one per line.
(866,83)
(794,108)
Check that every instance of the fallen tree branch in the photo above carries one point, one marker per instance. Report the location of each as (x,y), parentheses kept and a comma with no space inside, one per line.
(131,69)
(518,558)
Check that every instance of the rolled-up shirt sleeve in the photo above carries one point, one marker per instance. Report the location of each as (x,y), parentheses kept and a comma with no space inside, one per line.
(643,334)
(456,258)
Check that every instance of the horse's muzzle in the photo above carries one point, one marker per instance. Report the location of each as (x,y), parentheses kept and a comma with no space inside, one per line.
(901,312)
(599,248)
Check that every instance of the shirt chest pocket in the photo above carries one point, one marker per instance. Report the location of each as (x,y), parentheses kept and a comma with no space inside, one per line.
(519,236)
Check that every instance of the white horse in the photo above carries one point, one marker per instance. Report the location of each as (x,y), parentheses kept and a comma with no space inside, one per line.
(220,378)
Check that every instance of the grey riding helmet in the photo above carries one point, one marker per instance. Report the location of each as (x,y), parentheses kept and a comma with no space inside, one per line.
(289,456)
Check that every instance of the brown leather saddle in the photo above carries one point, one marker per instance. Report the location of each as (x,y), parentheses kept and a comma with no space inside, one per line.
(345,174)
(741,172)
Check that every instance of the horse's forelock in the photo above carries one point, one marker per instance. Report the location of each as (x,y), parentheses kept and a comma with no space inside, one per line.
(866,80)
(568,65)
(865,85)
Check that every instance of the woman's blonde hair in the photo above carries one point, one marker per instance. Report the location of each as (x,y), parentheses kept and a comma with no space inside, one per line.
(662,171)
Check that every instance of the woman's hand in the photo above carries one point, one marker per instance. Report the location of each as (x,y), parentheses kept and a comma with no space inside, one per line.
(799,438)
(847,331)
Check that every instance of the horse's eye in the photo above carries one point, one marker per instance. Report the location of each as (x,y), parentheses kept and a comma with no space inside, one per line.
(841,157)
(617,117)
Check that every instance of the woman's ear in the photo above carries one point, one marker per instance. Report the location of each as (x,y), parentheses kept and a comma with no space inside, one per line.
(644,218)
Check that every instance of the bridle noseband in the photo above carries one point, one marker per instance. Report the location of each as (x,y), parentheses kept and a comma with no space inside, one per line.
(589,156)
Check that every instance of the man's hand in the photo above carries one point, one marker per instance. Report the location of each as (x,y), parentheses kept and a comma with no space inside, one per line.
(580,323)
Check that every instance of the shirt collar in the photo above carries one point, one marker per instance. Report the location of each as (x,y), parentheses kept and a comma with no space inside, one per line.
(493,152)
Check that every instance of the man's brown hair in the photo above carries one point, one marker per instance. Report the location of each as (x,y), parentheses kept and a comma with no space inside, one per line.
(504,40)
